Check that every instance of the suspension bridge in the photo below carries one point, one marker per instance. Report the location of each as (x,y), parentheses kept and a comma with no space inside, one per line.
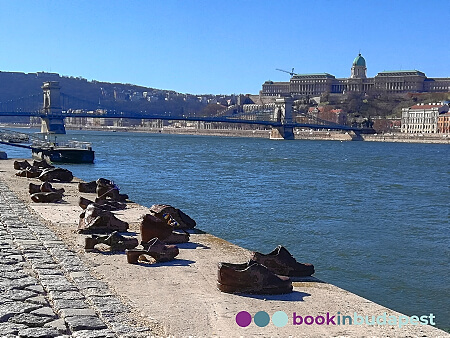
(53,106)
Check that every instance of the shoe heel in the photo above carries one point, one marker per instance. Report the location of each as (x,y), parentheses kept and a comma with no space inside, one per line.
(89,244)
(133,256)
(226,288)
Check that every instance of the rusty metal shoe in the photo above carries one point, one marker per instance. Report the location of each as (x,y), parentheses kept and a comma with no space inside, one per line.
(251,277)
(47,197)
(156,249)
(115,241)
(152,226)
(281,262)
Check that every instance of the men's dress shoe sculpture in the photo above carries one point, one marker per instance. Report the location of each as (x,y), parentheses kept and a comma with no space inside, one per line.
(89,187)
(43,164)
(34,188)
(115,241)
(56,174)
(109,205)
(95,219)
(251,278)
(106,188)
(47,197)
(47,187)
(183,221)
(44,187)
(21,165)
(281,262)
(152,226)
(156,249)
(29,172)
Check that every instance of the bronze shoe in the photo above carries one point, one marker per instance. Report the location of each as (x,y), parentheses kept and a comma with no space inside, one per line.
(156,249)
(182,220)
(89,187)
(115,241)
(94,219)
(251,277)
(152,226)
(47,197)
(108,205)
(281,262)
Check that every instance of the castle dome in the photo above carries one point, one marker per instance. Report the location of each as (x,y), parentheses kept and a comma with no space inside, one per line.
(359,61)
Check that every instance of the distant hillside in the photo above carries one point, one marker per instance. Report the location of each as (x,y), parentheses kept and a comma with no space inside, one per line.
(14,85)
(128,97)
(377,104)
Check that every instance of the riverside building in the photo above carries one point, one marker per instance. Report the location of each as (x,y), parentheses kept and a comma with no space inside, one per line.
(444,123)
(425,119)
(399,81)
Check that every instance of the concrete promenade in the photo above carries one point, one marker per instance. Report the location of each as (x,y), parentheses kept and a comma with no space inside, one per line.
(51,287)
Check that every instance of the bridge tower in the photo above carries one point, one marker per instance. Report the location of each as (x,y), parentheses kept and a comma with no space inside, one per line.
(283,115)
(52,119)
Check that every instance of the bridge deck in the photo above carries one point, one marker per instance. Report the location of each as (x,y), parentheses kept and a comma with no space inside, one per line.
(132,115)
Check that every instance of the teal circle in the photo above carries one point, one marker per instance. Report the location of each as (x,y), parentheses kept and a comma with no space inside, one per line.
(261,318)
(280,319)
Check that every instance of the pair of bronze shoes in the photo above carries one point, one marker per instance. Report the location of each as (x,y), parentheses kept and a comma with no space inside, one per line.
(157,233)
(263,274)
(45,193)
(162,228)
(154,248)
(115,241)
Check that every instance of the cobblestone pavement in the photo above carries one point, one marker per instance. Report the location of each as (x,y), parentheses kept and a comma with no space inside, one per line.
(45,289)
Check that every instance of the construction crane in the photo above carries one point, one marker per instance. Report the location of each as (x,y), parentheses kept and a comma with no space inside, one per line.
(290,73)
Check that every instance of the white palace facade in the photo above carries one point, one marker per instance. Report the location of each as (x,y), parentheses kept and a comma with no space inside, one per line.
(400,81)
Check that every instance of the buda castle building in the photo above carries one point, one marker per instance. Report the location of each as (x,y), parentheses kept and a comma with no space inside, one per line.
(400,81)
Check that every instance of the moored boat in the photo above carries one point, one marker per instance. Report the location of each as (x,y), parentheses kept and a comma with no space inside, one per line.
(70,152)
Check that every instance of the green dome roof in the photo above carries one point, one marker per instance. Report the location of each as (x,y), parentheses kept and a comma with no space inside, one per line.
(359,61)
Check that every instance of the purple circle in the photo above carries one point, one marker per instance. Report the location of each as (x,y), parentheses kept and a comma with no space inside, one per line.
(243,319)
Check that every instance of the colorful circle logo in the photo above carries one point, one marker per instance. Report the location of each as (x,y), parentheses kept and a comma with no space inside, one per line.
(261,319)
(243,319)
(280,319)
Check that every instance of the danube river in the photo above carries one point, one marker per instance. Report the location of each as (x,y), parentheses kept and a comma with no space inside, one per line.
(372,217)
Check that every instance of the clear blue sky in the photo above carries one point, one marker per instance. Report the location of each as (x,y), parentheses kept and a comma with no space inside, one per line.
(221,47)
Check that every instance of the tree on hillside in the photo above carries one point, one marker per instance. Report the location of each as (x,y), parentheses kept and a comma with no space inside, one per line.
(354,103)
(212,109)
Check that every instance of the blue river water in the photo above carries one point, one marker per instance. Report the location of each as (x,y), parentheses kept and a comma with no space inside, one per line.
(372,217)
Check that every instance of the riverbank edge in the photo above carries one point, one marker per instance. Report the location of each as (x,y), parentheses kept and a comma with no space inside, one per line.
(299,135)
(265,133)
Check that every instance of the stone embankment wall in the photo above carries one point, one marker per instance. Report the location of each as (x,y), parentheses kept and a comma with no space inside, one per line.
(408,138)
(323,136)
(261,133)
(310,135)
(215,132)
